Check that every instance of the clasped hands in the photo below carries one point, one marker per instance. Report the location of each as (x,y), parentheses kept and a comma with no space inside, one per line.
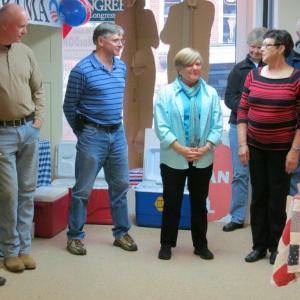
(191,154)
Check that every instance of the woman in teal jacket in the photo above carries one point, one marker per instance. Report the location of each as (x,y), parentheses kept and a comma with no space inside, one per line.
(188,123)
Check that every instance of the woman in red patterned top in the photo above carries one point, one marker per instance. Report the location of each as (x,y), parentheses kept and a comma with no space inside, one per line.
(269,140)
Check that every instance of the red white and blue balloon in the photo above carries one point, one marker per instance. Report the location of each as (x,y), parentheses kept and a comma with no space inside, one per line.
(74,13)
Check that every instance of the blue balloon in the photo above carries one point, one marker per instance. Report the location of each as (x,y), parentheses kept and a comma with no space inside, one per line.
(72,12)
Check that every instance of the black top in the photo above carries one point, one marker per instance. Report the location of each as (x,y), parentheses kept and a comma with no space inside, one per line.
(235,85)
(294,58)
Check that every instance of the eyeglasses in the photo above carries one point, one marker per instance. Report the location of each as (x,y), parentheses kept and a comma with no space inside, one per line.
(270,45)
(117,41)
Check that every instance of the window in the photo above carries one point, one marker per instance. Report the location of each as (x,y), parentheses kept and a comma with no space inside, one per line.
(229,21)
(167,5)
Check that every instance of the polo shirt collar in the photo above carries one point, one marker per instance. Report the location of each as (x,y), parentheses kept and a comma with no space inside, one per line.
(97,63)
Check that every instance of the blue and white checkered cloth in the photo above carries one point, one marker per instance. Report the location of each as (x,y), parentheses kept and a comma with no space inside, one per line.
(44,171)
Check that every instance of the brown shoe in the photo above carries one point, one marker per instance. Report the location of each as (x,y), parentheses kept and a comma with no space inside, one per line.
(126,242)
(28,261)
(14,264)
(76,247)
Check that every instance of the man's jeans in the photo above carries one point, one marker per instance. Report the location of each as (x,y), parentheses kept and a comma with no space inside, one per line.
(295,179)
(97,148)
(18,173)
(240,180)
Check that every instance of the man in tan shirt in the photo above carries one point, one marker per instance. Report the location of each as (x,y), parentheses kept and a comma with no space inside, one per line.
(21,103)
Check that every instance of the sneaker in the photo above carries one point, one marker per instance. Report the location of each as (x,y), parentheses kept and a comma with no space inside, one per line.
(28,261)
(204,253)
(126,242)
(165,252)
(76,247)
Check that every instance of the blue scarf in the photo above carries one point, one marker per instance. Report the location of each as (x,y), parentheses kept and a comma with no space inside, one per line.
(194,118)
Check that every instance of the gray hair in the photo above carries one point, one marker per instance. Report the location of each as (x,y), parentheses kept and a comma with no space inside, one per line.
(256,36)
(186,57)
(105,29)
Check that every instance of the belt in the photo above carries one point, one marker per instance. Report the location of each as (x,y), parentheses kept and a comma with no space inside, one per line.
(101,126)
(17,123)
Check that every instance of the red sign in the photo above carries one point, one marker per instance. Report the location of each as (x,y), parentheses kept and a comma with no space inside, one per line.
(218,201)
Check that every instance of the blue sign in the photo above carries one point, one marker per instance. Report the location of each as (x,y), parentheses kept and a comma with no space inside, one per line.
(105,10)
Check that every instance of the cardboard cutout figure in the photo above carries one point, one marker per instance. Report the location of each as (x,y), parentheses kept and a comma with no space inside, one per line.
(189,25)
(140,34)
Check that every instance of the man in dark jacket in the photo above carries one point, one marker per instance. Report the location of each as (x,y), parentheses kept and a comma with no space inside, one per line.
(294,58)
(294,61)
(235,85)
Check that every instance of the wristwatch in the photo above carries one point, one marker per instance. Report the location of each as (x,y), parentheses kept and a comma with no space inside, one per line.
(295,148)
(209,145)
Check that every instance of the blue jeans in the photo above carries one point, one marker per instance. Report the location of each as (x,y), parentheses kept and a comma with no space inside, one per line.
(97,148)
(295,179)
(240,180)
(18,173)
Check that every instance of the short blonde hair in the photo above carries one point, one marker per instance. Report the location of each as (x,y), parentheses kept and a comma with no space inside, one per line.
(256,36)
(186,57)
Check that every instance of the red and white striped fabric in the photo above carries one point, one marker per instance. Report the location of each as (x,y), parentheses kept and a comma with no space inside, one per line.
(135,176)
(287,266)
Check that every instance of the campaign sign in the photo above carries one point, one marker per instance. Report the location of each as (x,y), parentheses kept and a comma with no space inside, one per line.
(218,201)
(105,10)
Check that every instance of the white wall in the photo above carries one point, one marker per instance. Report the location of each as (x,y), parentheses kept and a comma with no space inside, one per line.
(249,15)
(286,13)
(46,43)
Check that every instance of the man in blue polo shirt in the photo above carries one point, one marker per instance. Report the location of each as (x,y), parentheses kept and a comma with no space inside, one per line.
(93,107)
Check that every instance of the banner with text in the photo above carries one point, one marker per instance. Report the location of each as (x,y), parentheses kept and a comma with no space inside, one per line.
(40,12)
(105,10)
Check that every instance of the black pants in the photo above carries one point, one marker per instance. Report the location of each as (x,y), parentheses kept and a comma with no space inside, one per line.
(270,187)
(173,188)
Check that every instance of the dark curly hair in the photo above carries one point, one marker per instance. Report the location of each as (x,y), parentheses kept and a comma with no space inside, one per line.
(281,37)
